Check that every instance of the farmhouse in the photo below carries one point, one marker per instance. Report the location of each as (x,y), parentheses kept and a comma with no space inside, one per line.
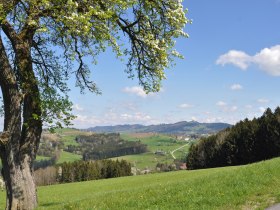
(160,152)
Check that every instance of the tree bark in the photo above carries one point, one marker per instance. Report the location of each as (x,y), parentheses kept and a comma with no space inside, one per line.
(17,171)
(20,185)
(20,139)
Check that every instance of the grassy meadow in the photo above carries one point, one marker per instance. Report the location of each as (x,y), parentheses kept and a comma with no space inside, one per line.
(68,157)
(68,135)
(146,160)
(254,186)
(155,142)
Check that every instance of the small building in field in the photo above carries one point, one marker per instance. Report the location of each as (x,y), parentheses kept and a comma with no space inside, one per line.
(160,152)
(183,166)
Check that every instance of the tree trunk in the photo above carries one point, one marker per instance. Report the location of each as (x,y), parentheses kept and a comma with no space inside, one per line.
(20,140)
(17,161)
(20,185)
(17,155)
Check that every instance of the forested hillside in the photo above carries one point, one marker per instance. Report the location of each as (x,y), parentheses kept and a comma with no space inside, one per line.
(246,142)
(102,146)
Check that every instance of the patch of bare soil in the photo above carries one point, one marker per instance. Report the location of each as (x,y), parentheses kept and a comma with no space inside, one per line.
(141,135)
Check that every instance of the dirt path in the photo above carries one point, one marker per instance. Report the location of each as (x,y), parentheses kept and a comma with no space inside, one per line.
(172,152)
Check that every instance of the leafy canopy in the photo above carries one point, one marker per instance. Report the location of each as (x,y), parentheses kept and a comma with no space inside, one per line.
(66,32)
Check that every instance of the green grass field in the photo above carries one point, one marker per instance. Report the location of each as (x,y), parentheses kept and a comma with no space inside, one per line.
(146,160)
(154,142)
(249,187)
(68,157)
(142,161)
(68,135)
(38,157)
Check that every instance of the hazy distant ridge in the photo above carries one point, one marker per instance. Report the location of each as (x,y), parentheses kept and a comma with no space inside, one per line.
(183,127)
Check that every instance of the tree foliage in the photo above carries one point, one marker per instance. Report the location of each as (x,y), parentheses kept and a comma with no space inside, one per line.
(43,43)
(79,171)
(92,170)
(246,142)
(66,32)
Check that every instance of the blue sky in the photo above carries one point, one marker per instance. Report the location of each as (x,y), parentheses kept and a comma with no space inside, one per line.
(231,71)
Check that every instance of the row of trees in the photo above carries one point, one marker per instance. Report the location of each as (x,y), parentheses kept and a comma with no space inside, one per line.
(82,171)
(246,142)
(108,151)
(92,170)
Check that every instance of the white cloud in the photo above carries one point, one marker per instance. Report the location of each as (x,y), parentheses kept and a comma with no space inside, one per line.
(234,57)
(213,120)
(77,107)
(85,121)
(112,117)
(185,106)
(194,118)
(268,60)
(221,103)
(262,109)
(136,90)
(225,107)
(136,117)
(236,87)
(263,100)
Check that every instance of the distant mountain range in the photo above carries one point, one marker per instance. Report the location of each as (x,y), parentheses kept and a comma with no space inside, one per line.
(183,127)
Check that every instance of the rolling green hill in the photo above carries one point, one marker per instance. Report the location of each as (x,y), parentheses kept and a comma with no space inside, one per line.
(155,142)
(67,137)
(254,186)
